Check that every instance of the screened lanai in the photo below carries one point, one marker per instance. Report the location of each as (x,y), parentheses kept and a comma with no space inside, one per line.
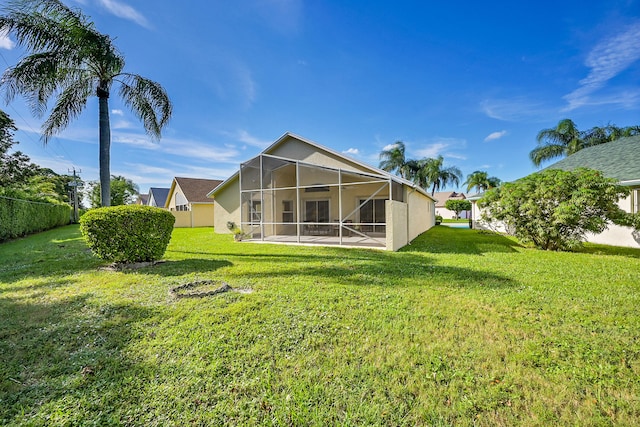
(292,201)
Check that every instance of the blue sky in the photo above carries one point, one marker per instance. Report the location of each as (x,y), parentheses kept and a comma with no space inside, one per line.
(471,81)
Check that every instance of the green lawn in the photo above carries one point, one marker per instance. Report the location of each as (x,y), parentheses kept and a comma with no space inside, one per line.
(460,328)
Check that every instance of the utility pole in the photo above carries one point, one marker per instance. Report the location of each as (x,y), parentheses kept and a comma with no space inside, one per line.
(74,193)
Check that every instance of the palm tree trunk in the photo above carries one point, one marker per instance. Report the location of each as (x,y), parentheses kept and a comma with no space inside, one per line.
(105,148)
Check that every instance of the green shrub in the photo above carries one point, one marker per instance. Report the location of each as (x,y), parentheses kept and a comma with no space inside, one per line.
(554,209)
(131,233)
(21,217)
(438,219)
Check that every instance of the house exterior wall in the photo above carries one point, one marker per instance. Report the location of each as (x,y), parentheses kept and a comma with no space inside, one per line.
(449,214)
(421,214)
(396,218)
(226,207)
(183,219)
(297,150)
(202,215)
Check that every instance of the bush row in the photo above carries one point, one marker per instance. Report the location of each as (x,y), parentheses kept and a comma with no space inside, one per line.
(21,217)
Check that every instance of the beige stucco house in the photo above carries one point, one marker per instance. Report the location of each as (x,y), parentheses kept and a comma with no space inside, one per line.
(441,200)
(188,202)
(297,191)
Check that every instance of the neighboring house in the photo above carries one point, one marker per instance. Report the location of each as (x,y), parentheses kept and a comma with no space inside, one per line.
(143,199)
(157,197)
(297,191)
(188,202)
(441,200)
(618,159)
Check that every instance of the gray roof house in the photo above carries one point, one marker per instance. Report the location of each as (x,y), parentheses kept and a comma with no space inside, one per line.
(619,159)
(158,196)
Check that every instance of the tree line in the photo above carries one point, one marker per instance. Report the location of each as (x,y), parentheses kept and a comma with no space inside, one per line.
(69,61)
(430,173)
(20,178)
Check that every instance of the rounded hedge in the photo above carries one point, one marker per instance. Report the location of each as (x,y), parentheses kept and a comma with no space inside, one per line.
(130,233)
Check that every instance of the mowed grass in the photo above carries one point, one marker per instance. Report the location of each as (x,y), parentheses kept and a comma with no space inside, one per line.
(459,328)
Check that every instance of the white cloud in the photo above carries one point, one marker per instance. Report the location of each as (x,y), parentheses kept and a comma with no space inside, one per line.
(514,109)
(432,150)
(122,124)
(117,112)
(244,136)
(352,151)
(195,150)
(5,41)
(606,60)
(125,11)
(389,147)
(495,135)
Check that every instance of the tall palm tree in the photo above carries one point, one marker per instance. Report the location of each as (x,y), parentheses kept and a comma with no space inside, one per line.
(481,181)
(393,160)
(71,61)
(433,174)
(563,140)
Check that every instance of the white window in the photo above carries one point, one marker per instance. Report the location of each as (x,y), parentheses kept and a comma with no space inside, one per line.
(287,211)
(635,201)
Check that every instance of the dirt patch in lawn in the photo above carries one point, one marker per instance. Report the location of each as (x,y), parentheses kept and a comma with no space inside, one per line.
(204,288)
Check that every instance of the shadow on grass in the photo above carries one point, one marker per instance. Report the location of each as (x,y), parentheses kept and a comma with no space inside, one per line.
(70,353)
(381,269)
(594,249)
(441,239)
(57,252)
(181,267)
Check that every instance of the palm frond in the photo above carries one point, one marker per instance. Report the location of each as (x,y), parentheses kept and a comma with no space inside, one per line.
(148,100)
(34,77)
(546,152)
(70,103)
(41,24)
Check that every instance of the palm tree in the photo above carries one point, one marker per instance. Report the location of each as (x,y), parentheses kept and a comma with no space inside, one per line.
(563,140)
(601,135)
(71,61)
(393,160)
(481,181)
(433,174)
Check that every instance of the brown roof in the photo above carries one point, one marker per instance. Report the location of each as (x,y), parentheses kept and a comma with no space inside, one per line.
(442,197)
(196,189)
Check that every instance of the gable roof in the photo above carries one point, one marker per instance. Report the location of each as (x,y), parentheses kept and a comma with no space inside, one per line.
(317,146)
(195,190)
(143,199)
(159,195)
(442,197)
(619,159)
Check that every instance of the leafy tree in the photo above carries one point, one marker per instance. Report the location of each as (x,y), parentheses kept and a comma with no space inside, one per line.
(481,181)
(123,192)
(393,160)
(458,206)
(553,209)
(16,167)
(71,61)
